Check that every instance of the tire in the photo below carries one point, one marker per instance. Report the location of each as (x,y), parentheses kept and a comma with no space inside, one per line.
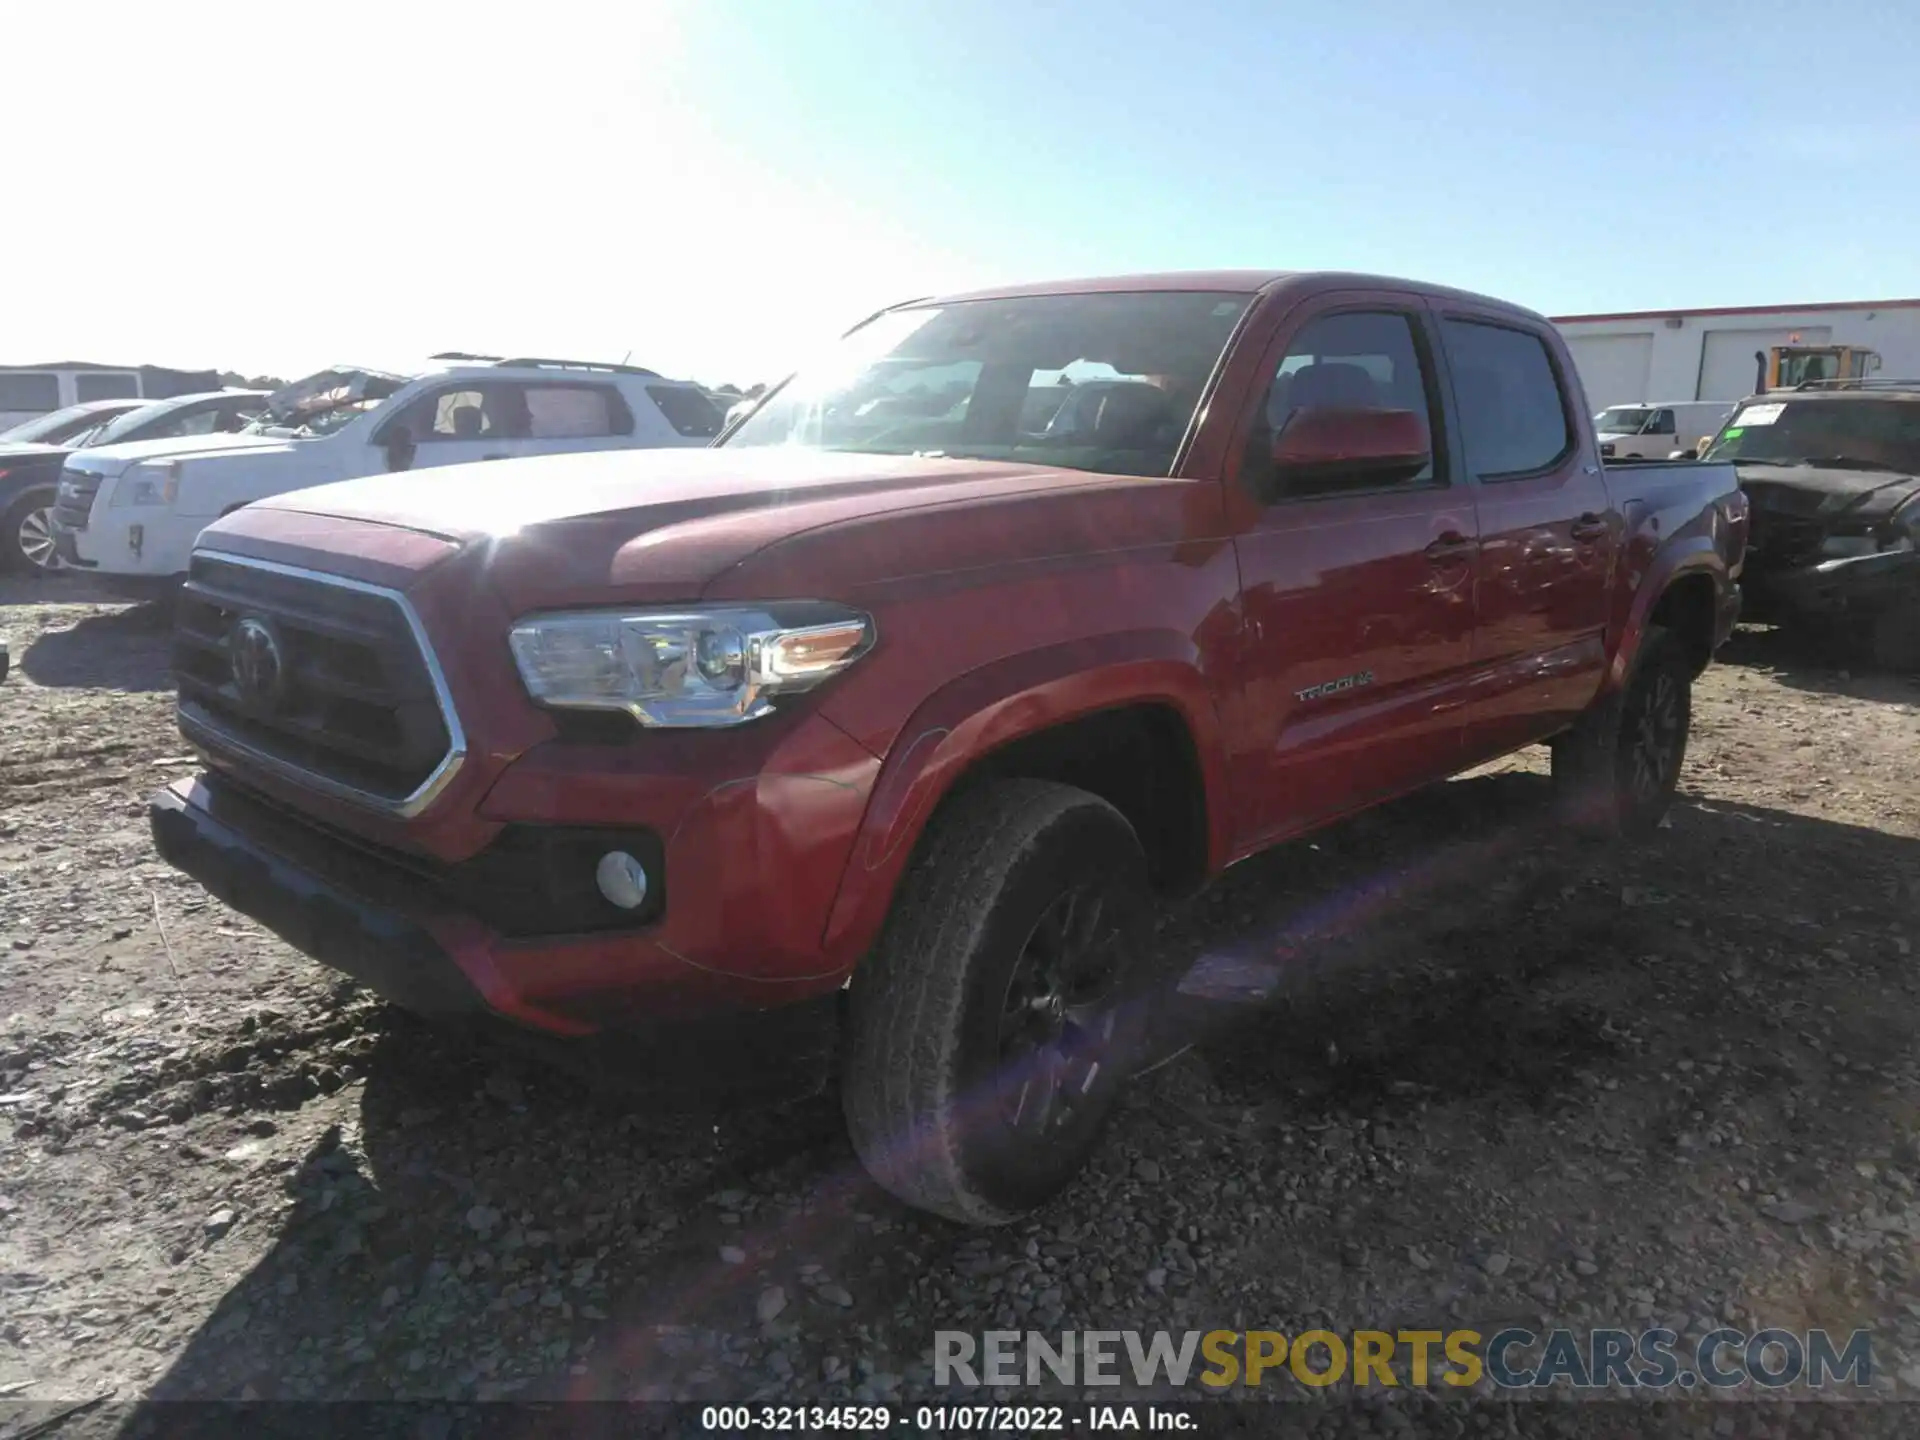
(1616,771)
(971,1087)
(26,533)
(1896,639)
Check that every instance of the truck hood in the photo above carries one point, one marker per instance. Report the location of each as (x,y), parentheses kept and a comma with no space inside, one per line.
(17,451)
(110,458)
(1808,492)
(577,528)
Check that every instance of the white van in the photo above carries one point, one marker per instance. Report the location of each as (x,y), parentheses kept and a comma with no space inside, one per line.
(130,513)
(1654,430)
(27,391)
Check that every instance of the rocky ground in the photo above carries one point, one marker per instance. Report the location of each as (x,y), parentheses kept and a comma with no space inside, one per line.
(1500,1077)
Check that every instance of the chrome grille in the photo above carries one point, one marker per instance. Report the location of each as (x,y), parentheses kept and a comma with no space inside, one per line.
(327,680)
(73,502)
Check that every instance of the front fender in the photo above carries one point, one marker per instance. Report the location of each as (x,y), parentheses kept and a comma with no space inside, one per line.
(986,709)
(21,479)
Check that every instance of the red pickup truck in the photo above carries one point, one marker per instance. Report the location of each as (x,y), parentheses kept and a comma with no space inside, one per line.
(869,734)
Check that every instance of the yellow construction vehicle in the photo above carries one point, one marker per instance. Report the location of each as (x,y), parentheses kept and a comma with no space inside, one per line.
(1786,367)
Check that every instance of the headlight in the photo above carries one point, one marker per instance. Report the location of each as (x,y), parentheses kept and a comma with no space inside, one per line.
(693,667)
(1849,547)
(1903,531)
(155,482)
(1898,534)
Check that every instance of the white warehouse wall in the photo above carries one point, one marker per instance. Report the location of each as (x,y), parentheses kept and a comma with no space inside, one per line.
(1708,354)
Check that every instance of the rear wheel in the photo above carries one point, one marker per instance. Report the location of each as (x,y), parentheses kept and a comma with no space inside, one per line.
(26,535)
(994,1025)
(1617,770)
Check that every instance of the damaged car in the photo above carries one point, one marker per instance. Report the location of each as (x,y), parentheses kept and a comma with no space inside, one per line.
(1832,471)
(128,514)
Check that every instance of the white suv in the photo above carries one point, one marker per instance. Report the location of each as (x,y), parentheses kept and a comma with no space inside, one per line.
(130,513)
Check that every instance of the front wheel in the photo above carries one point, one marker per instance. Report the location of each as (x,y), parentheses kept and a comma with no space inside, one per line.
(1896,638)
(26,535)
(1617,770)
(994,1025)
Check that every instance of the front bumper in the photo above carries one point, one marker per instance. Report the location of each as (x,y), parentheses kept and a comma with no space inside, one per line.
(1863,585)
(137,560)
(669,1028)
(66,544)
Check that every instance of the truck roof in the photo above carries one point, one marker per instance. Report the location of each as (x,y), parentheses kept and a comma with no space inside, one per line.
(1870,389)
(1665,404)
(1303,283)
(540,365)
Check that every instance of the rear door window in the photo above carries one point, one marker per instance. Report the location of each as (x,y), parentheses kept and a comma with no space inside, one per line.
(688,411)
(575,412)
(108,385)
(29,391)
(1513,413)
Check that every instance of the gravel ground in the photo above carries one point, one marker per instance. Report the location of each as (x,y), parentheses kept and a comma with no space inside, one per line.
(1500,1076)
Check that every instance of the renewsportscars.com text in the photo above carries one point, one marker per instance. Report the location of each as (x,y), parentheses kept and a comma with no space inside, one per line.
(1508,1359)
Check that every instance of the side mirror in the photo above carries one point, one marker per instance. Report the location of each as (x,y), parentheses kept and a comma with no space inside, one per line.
(400,448)
(1349,447)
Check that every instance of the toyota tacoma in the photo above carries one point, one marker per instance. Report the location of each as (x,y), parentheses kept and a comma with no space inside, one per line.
(861,742)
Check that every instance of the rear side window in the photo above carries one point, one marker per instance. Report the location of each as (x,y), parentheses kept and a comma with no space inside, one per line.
(688,411)
(575,412)
(106,387)
(240,413)
(190,422)
(29,392)
(1512,416)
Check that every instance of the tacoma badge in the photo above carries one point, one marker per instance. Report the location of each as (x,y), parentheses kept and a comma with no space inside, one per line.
(1334,687)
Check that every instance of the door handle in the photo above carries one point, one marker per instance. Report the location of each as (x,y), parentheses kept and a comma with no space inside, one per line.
(1590,527)
(493,457)
(1451,548)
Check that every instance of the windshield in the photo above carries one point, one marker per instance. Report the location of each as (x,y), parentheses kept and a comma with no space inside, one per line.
(54,425)
(324,402)
(1622,420)
(118,428)
(1879,434)
(1105,382)
(320,420)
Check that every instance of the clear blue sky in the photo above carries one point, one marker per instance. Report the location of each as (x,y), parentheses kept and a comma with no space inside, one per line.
(1575,158)
(713,183)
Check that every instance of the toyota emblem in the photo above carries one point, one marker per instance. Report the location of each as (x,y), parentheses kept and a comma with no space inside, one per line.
(253,654)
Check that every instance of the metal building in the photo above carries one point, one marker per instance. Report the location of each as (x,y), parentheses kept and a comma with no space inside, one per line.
(1668,355)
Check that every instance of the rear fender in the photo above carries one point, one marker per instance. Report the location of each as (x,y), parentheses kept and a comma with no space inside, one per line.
(1678,559)
(989,707)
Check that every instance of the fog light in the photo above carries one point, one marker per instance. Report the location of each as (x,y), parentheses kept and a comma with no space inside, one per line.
(622,879)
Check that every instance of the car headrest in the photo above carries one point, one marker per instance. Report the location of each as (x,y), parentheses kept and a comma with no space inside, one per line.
(1127,414)
(1332,382)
